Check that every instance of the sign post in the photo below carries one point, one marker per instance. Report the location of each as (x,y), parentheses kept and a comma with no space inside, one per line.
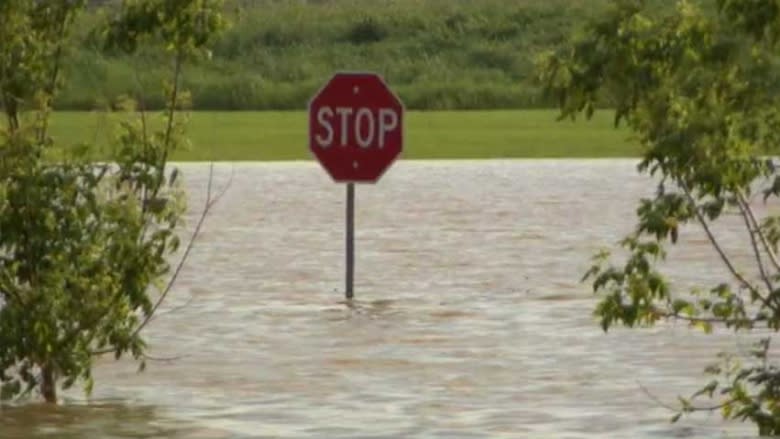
(350,282)
(356,133)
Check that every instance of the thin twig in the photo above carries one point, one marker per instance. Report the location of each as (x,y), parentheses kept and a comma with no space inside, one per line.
(164,359)
(720,251)
(677,316)
(206,208)
(55,74)
(656,399)
(678,410)
(144,131)
(173,102)
(764,241)
(174,97)
(97,128)
(210,202)
(754,244)
(179,307)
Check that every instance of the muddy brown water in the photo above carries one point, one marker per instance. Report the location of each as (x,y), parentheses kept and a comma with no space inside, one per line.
(470,320)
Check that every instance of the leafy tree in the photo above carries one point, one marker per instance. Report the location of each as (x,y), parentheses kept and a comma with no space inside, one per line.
(698,86)
(85,244)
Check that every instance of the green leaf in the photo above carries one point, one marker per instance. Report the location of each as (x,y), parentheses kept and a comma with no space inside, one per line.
(726,410)
(173,177)
(89,385)
(9,390)
(68,383)
(712,369)
(706,327)
(678,305)
(708,389)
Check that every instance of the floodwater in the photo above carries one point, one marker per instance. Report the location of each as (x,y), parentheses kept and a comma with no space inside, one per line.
(470,320)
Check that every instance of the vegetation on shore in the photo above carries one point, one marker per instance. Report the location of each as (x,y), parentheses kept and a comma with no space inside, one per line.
(437,54)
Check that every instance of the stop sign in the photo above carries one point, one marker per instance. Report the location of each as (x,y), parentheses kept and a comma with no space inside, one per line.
(355,127)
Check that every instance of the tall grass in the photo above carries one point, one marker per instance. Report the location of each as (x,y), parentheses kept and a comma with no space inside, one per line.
(437,54)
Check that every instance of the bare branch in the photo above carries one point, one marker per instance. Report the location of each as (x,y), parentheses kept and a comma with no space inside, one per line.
(210,202)
(146,356)
(164,359)
(195,234)
(754,244)
(97,130)
(757,228)
(656,399)
(716,320)
(177,308)
(677,410)
(225,188)
(726,260)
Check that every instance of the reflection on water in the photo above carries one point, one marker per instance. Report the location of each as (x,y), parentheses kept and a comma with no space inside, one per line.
(470,320)
(97,420)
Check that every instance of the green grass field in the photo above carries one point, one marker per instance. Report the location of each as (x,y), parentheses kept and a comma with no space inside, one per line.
(241,136)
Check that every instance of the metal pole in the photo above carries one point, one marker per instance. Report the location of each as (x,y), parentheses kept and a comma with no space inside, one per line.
(350,239)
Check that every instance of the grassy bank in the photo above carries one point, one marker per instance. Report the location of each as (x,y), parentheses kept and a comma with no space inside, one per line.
(437,54)
(229,136)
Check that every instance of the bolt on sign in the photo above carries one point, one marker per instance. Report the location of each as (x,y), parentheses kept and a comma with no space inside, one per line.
(356,133)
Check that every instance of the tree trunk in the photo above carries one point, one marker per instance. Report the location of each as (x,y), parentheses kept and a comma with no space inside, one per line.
(48,384)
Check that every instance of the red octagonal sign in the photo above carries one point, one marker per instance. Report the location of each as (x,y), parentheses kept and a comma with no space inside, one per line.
(356,127)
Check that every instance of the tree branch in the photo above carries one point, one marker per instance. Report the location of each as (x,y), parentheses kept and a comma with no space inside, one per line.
(174,97)
(210,202)
(178,308)
(144,132)
(206,208)
(656,399)
(717,320)
(54,75)
(764,241)
(754,245)
(173,102)
(677,410)
(726,260)
(164,359)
